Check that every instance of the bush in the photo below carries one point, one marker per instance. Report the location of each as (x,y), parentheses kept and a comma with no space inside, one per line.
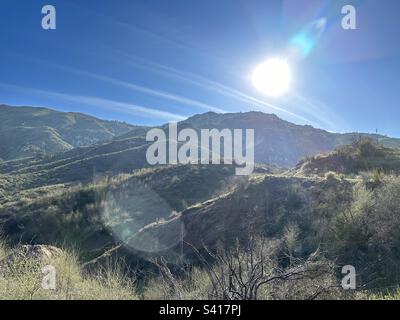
(367,235)
(331,176)
(195,285)
(247,272)
(367,148)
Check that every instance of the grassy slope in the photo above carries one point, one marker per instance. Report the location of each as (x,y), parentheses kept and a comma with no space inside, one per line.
(58,214)
(210,203)
(26,131)
(267,195)
(362,155)
(21,278)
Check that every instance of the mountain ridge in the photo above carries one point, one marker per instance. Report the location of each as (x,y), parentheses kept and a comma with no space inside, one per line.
(278,142)
(32,131)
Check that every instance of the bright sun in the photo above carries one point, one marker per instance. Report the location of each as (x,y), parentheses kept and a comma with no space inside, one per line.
(272,77)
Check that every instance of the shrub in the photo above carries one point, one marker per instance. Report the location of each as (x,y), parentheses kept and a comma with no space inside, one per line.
(330,176)
(367,148)
(249,272)
(195,285)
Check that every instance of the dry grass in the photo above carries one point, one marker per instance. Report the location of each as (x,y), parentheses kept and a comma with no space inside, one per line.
(21,279)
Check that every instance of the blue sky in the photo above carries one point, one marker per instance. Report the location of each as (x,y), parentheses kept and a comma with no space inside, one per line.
(151,61)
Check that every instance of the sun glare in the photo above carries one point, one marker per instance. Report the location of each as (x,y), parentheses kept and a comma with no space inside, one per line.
(272,77)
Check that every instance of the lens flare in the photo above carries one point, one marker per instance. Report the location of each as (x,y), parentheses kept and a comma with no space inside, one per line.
(133,212)
(302,43)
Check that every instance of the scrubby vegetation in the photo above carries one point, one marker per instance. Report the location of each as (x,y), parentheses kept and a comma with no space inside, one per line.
(362,155)
(21,278)
(199,232)
(256,270)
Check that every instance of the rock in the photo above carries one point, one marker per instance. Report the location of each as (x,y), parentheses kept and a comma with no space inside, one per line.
(43,252)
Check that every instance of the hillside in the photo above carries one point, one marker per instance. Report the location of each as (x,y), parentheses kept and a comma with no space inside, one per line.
(277,141)
(90,215)
(148,213)
(352,215)
(363,155)
(104,200)
(280,142)
(27,131)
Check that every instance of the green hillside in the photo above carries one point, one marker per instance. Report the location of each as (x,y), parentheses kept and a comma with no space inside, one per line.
(27,131)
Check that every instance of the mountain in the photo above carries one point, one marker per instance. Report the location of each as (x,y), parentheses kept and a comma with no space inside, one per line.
(28,131)
(280,142)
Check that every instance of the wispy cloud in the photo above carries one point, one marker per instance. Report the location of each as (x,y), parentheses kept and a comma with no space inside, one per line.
(211,86)
(129,108)
(107,104)
(306,110)
(146,90)
(319,111)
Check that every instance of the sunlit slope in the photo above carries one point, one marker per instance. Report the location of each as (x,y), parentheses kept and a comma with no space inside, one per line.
(27,131)
(362,155)
(89,214)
